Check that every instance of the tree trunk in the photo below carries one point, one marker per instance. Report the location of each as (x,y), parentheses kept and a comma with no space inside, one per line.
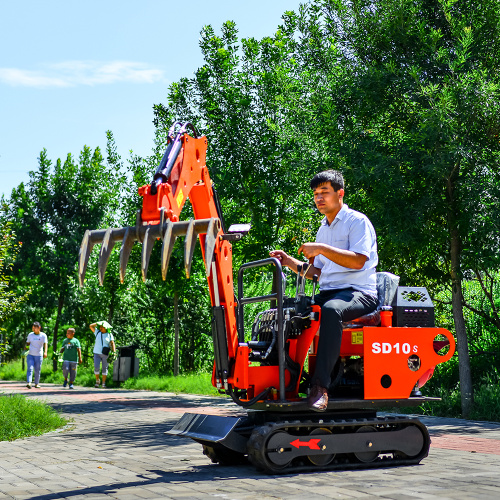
(60,303)
(176,333)
(466,390)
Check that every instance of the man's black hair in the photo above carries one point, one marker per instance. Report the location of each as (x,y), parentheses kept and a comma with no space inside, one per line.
(334,177)
(36,324)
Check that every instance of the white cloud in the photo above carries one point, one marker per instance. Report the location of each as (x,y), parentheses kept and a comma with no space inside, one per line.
(19,77)
(74,73)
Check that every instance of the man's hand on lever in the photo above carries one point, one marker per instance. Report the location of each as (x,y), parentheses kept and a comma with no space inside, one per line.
(310,250)
(293,264)
(345,258)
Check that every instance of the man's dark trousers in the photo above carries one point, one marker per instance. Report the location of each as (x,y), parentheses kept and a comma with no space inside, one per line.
(337,306)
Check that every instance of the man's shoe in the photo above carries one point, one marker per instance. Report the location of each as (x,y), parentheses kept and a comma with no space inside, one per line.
(28,386)
(37,386)
(71,386)
(65,383)
(318,398)
(104,386)
(96,385)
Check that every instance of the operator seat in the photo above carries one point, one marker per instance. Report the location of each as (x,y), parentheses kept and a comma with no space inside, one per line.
(387,285)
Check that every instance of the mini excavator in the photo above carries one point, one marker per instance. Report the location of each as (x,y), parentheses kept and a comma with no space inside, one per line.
(385,358)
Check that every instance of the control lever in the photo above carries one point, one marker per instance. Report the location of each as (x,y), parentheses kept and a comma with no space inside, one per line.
(299,267)
(305,268)
(315,282)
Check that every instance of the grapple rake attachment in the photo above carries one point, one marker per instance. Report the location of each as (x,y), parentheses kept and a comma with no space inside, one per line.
(166,230)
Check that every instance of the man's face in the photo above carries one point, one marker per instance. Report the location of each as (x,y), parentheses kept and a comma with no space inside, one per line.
(103,329)
(36,330)
(327,200)
(70,334)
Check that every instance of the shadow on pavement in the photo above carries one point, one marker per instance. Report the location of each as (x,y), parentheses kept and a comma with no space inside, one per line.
(197,474)
(438,425)
(168,403)
(135,435)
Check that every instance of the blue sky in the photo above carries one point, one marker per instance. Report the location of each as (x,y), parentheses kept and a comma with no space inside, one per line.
(70,70)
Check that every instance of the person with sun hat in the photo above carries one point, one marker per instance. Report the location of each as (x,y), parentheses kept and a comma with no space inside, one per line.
(104,344)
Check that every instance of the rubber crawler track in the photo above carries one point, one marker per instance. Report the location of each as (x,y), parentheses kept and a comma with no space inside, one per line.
(258,453)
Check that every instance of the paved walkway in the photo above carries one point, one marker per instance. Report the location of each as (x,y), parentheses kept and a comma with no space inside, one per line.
(115,447)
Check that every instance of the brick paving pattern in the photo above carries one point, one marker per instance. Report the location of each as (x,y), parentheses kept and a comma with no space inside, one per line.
(115,447)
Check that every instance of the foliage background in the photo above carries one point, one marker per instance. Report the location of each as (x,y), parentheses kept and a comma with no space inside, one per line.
(402,96)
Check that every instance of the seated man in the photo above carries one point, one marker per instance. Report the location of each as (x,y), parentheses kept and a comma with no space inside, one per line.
(344,256)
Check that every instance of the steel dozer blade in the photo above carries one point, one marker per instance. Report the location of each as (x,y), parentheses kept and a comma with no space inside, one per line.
(166,230)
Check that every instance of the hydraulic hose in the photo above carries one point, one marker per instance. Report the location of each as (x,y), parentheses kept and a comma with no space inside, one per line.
(170,155)
(251,402)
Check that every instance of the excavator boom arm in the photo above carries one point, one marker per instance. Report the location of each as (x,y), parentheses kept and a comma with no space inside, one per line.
(182,174)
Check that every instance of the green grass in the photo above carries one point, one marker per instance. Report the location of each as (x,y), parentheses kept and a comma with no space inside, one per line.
(486,403)
(21,417)
(189,384)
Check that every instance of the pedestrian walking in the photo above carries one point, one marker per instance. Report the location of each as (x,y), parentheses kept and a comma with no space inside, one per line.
(72,355)
(104,344)
(37,345)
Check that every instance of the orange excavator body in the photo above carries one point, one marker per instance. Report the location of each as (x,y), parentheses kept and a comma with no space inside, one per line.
(267,372)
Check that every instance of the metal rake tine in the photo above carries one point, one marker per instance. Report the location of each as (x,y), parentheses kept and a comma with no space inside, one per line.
(189,244)
(85,249)
(126,248)
(107,246)
(147,248)
(210,243)
(166,249)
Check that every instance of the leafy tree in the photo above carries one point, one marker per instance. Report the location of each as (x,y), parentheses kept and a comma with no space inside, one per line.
(235,99)
(414,113)
(9,301)
(50,216)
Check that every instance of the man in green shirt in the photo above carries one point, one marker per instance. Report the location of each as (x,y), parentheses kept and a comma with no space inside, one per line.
(71,357)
